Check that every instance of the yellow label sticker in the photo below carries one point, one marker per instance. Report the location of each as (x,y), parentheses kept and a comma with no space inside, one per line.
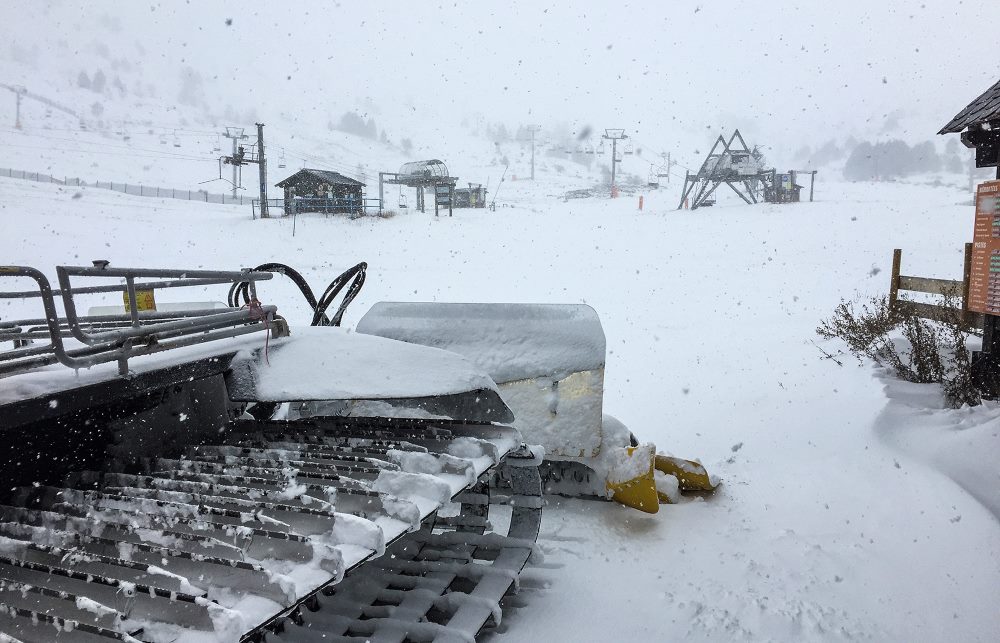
(144,300)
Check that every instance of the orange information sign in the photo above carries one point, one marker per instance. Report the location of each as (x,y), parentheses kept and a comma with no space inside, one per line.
(984,279)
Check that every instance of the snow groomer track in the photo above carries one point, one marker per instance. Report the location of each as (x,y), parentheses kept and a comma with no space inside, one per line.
(144,503)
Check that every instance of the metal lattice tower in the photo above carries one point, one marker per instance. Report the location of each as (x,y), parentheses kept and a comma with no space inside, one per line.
(734,164)
(614,135)
(235,133)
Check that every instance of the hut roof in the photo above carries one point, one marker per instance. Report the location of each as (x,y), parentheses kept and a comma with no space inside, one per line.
(985,109)
(326,176)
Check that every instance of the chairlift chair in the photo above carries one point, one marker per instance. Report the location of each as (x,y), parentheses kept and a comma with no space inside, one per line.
(590,148)
(281,159)
(177,142)
(629,147)
(402,200)
(601,149)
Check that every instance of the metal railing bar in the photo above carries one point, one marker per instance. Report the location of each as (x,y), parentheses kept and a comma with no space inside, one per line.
(118,337)
(151,285)
(123,318)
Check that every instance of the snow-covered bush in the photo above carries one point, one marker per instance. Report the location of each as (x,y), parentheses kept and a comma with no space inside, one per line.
(915,349)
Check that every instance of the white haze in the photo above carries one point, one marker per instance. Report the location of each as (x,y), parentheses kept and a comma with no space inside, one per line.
(674,74)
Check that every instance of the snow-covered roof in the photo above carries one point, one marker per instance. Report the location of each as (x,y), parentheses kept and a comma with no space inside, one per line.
(985,109)
(325,176)
(428,168)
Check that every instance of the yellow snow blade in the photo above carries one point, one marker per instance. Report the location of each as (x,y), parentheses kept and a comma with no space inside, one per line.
(638,491)
(691,475)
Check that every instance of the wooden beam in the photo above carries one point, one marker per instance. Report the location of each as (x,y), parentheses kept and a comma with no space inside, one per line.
(897,257)
(930,285)
(933,312)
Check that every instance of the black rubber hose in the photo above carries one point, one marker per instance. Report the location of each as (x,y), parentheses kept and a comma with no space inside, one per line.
(239,293)
(358,274)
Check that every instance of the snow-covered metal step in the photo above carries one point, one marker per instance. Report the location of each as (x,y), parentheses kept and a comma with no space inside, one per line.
(173,569)
(241,539)
(347,498)
(21,625)
(432,585)
(65,591)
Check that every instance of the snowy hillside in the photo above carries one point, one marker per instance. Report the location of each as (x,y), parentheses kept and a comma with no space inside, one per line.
(852,508)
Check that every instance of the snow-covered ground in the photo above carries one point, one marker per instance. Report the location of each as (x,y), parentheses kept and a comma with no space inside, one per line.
(853,507)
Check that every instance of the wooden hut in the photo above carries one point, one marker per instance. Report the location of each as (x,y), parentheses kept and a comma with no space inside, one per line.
(473,196)
(310,190)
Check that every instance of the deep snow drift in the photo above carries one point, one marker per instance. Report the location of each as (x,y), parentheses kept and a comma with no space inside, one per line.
(852,508)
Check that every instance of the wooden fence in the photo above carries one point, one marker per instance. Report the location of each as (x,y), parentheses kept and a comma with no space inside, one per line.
(954,288)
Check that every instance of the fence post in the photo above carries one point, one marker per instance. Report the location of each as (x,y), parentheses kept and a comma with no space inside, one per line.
(966,276)
(897,257)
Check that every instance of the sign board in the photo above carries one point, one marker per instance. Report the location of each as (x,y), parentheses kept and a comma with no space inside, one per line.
(144,300)
(984,279)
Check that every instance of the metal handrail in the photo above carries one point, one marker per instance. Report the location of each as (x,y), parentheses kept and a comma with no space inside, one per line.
(108,338)
(64,273)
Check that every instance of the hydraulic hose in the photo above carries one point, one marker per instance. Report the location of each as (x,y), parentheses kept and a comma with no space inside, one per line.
(239,293)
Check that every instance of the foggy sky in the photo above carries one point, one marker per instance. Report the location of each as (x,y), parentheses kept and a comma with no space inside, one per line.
(671,72)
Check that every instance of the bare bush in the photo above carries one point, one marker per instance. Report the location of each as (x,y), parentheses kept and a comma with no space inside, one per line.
(915,349)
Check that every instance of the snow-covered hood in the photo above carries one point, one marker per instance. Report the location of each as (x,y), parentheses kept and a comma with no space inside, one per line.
(326,363)
(508,341)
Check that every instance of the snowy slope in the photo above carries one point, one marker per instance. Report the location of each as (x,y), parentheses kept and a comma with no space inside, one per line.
(835,521)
